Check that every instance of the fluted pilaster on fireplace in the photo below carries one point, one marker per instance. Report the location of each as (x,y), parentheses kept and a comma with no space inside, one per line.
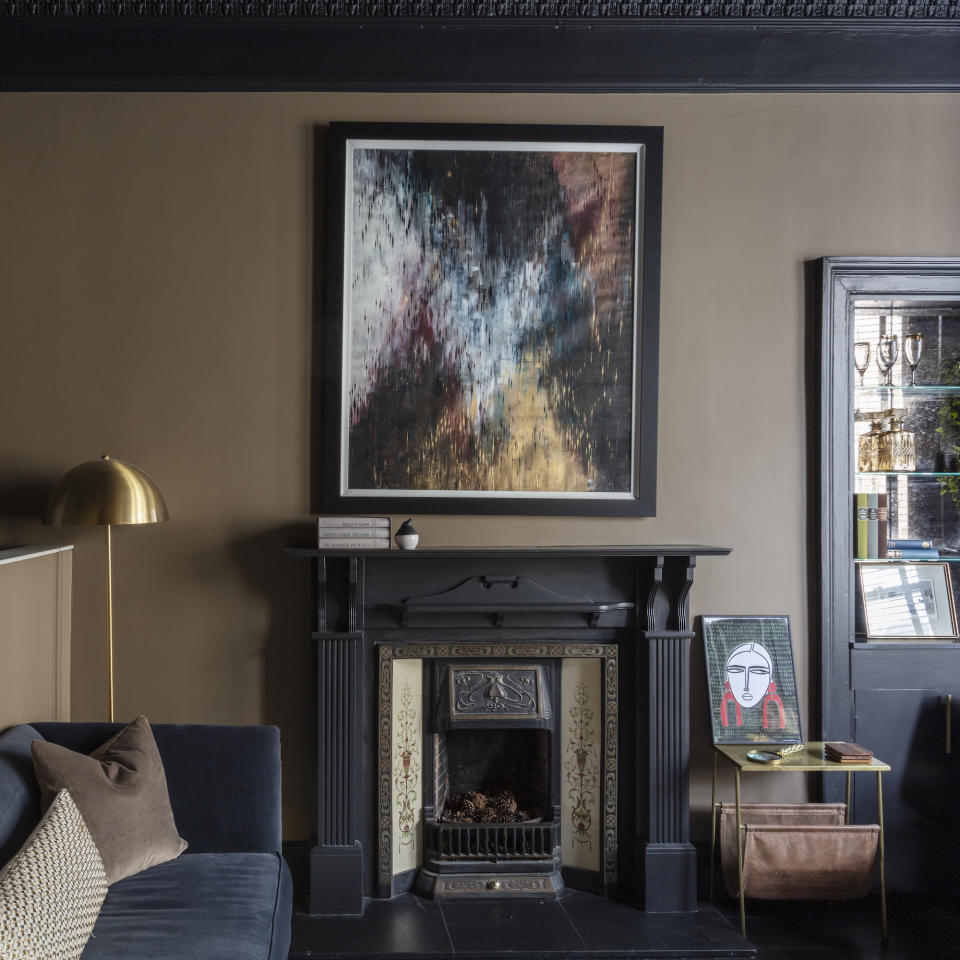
(667,868)
(336,861)
(630,601)
(668,859)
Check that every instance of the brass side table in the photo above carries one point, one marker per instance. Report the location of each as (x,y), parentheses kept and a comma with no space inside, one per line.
(808,760)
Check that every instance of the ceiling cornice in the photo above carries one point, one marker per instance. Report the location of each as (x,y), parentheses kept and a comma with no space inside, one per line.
(522,46)
(694,10)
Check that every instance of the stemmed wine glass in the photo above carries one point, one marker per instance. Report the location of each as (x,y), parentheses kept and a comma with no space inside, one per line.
(912,352)
(887,350)
(861,358)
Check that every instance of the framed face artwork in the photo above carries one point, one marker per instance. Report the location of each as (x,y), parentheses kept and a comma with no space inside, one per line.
(492,319)
(751,680)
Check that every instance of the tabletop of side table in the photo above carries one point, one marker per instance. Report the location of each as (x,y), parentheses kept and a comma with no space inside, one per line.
(808,760)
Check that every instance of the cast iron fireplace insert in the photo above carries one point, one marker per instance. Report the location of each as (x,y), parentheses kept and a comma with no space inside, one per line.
(491,813)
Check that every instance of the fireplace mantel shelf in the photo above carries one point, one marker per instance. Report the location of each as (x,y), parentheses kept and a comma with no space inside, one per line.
(616,550)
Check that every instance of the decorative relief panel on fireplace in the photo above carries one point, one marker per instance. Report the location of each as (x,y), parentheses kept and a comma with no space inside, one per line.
(506,693)
(407,786)
(482,693)
(581,727)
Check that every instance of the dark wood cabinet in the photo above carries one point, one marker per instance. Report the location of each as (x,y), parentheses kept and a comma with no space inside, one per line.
(890,660)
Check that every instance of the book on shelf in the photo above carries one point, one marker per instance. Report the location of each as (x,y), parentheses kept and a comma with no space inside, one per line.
(883,526)
(870,512)
(860,514)
(877,526)
(844,752)
(354,523)
(325,544)
(909,544)
(353,533)
(914,553)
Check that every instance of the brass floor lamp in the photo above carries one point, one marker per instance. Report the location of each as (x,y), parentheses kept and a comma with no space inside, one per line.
(105,493)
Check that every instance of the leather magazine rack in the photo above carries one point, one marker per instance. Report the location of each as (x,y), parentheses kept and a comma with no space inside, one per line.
(798,851)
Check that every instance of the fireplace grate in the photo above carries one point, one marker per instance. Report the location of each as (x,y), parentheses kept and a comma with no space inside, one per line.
(492,841)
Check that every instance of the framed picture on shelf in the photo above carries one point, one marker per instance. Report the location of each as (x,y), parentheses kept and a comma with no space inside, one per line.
(907,601)
(492,319)
(751,680)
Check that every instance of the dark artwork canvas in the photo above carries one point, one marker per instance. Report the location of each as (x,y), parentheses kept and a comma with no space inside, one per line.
(751,680)
(490,319)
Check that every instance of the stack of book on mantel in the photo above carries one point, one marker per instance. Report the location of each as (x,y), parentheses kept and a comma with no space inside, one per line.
(353,533)
(847,753)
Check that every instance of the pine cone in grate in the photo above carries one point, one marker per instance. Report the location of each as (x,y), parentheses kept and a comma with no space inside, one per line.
(505,805)
(475,807)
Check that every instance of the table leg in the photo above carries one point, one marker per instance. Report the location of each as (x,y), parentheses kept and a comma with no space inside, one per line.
(846,813)
(883,869)
(743,906)
(713,822)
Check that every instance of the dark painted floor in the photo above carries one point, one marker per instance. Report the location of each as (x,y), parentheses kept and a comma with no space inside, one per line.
(918,929)
(577,926)
(580,926)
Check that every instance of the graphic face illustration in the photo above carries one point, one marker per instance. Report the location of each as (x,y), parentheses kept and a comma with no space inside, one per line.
(749,672)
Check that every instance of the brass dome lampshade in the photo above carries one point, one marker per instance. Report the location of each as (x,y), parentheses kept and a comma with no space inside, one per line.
(105,493)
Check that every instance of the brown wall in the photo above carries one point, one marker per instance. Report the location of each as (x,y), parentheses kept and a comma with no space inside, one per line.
(155,303)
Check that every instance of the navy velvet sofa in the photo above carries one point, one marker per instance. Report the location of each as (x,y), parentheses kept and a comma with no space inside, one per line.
(229,896)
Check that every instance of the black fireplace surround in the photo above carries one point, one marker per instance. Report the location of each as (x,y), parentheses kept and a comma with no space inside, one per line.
(487,630)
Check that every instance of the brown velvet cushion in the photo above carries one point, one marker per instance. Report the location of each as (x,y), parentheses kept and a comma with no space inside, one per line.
(121,791)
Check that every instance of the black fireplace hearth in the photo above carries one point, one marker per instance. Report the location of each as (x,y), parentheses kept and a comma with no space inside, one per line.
(550,678)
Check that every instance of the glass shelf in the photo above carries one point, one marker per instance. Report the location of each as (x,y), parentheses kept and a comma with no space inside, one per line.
(920,390)
(906,473)
(952,558)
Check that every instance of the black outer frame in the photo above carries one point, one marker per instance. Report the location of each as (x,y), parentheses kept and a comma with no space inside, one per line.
(704,618)
(643,504)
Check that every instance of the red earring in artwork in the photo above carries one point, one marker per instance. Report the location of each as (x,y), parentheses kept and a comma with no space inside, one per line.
(772,697)
(728,698)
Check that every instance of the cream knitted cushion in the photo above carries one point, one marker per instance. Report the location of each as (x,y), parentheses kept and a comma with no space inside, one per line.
(51,891)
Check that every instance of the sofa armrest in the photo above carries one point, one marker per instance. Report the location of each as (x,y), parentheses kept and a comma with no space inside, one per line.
(224,781)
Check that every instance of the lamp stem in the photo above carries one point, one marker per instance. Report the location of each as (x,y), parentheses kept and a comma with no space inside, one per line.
(109,619)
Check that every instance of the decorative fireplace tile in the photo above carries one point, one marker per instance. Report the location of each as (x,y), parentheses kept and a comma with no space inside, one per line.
(581,727)
(407,764)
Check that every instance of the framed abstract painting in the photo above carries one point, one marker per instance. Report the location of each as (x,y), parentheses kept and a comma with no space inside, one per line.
(751,680)
(492,319)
